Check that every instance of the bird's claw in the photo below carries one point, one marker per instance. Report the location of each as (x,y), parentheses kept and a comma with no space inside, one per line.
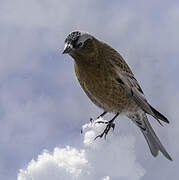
(110,125)
(91,121)
(101,122)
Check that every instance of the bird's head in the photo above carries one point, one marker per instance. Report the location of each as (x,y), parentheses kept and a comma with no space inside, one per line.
(79,43)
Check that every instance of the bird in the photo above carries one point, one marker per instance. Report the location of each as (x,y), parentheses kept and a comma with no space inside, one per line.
(110,84)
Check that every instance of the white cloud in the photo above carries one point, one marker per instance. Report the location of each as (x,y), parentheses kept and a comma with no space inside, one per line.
(111,159)
(64,163)
(106,178)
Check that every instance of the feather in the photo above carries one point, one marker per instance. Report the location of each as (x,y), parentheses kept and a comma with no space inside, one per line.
(152,140)
(130,84)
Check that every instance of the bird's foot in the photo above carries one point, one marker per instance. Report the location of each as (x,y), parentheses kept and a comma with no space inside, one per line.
(91,121)
(110,124)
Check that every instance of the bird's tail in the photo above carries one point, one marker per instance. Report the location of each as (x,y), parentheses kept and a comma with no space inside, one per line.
(153,141)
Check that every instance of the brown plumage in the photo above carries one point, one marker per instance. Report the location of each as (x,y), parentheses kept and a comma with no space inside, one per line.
(110,84)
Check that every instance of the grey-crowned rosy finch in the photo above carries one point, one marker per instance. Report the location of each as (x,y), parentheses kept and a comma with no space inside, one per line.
(110,84)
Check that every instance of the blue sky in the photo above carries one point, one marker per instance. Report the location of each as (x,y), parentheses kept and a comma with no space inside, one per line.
(41,103)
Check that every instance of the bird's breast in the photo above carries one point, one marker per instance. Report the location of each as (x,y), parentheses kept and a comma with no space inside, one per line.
(98,82)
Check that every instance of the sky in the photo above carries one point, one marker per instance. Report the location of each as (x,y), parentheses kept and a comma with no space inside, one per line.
(42,106)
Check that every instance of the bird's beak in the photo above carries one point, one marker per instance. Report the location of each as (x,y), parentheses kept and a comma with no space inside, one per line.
(68,47)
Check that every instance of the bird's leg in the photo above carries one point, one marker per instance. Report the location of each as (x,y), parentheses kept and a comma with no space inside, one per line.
(91,119)
(110,124)
(102,114)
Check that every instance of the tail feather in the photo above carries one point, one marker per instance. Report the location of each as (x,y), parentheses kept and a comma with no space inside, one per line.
(153,148)
(153,141)
(158,115)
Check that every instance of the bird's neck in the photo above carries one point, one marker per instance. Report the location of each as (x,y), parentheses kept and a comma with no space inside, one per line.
(86,60)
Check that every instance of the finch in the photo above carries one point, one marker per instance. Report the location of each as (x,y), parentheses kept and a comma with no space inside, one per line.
(110,84)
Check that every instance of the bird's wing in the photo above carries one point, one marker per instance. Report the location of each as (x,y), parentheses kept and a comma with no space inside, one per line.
(130,84)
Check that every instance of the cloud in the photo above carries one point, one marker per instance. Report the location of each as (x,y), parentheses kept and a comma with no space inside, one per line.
(64,163)
(111,159)
(106,178)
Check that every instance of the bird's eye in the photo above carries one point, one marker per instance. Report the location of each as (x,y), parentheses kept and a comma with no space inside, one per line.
(80,44)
